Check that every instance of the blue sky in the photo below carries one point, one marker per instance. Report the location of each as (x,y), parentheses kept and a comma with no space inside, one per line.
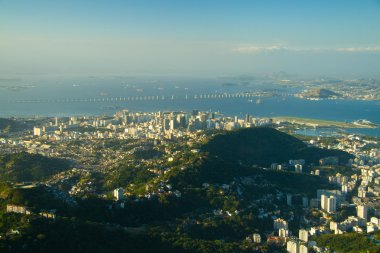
(194,37)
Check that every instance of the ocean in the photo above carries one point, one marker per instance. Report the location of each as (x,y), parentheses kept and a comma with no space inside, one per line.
(63,96)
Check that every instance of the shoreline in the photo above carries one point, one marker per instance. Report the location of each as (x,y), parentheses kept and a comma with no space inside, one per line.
(321,123)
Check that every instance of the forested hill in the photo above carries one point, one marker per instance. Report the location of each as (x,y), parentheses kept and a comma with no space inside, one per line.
(11,125)
(28,167)
(263,146)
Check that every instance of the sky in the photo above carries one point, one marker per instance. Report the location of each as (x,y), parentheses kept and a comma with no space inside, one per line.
(193,37)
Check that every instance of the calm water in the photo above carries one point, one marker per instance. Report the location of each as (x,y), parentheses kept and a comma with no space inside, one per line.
(95,87)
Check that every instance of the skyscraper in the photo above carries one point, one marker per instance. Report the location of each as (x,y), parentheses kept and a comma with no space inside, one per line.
(328,203)
(282,232)
(118,193)
(331,204)
(323,202)
(303,235)
(303,249)
(362,211)
(292,247)
(247,118)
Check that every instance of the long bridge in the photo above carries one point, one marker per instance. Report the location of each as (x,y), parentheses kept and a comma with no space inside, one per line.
(205,96)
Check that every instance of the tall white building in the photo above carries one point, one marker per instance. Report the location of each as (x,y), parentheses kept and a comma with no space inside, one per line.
(345,188)
(282,232)
(324,202)
(331,205)
(328,203)
(362,211)
(118,193)
(292,247)
(303,249)
(303,235)
(37,131)
(295,246)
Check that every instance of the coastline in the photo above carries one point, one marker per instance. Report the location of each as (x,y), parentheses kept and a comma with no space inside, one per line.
(321,123)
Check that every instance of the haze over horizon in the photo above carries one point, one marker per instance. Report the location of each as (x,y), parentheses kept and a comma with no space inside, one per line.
(190,37)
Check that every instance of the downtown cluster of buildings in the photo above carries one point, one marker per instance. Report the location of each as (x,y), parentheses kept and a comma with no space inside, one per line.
(153,125)
(124,125)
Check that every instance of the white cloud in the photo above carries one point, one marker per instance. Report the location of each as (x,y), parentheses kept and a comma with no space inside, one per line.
(258,49)
(251,49)
(359,49)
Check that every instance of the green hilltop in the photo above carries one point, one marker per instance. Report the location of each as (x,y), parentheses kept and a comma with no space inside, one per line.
(263,146)
(230,156)
(23,166)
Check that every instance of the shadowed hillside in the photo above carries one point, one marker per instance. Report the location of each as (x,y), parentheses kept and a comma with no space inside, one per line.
(263,146)
(27,167)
